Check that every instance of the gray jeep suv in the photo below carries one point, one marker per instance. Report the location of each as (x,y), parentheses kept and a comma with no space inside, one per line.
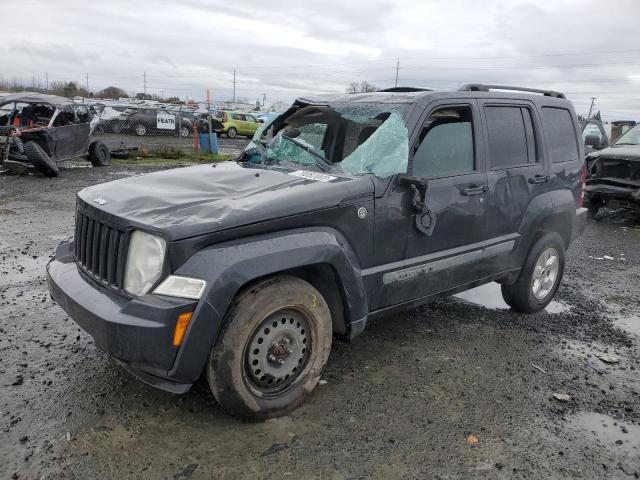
(342,208)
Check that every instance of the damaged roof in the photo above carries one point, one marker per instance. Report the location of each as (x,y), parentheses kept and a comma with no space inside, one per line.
(32,97)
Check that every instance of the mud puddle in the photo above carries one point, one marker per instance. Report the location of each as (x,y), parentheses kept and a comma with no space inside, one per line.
(490,296)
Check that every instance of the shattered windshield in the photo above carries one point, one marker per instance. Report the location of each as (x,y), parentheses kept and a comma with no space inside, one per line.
(348,138)
(631,137)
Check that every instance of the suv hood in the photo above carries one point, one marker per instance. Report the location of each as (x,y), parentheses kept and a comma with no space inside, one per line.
(623,152)
(193,201)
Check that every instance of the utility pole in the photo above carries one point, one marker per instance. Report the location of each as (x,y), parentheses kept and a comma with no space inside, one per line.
(144,80)
(87,84)
(397,70)
(46,76)
(593,99)
(234,85)
(264,99)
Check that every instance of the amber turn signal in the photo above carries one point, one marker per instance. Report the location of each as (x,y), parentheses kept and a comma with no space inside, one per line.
(181,327)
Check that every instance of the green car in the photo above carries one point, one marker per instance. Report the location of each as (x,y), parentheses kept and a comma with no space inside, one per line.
(237,123)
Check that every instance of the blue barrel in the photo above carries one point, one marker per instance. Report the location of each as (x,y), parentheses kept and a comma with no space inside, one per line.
(204,143)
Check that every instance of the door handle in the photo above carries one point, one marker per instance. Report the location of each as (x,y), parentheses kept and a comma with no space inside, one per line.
(475,190)
(539,179)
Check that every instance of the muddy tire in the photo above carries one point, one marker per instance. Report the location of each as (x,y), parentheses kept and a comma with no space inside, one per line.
(99,154)
(232,133)
(272,349)
(39,158)
(540,276)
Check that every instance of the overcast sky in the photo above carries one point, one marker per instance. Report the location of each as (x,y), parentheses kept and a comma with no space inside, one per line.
(285,49)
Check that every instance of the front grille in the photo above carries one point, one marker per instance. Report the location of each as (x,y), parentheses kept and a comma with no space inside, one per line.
(100,250)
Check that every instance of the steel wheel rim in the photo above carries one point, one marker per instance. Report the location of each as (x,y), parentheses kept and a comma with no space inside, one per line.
(278,352)
(232,133)
(140,130)
(545,273)
(184,131)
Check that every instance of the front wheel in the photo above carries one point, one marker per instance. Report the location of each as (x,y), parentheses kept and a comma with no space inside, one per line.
(273,347)
(540,276)
(99,154)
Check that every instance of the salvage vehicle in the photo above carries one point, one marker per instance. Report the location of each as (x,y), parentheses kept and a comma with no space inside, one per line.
(237,123)
(614,174)
(341,209)
(143,121)
(38,131)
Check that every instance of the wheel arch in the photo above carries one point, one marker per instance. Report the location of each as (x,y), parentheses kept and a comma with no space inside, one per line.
(321,257)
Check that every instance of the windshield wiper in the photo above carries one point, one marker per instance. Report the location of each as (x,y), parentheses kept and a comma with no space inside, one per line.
(321,162)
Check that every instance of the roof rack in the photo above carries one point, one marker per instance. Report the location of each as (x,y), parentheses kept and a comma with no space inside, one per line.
(479,87)
(406,89)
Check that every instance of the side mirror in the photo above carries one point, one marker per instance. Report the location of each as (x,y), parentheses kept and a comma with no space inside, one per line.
(592,141)
(425,220)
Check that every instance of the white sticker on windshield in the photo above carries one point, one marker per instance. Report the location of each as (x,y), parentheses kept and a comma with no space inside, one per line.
(320,177)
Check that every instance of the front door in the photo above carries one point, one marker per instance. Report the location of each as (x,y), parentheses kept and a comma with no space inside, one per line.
(445,249)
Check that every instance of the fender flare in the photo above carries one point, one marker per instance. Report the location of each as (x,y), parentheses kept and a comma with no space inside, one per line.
(228,267)
(555,209)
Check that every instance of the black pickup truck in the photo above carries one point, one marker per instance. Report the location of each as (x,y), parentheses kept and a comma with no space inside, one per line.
(342,208)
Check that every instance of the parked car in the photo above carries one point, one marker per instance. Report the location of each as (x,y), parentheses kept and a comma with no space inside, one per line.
(343,208)
(150,121)
(237,123)
(614,174)
(38,131)
(594,136)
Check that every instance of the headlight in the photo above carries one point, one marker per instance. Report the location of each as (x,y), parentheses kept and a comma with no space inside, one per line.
(144,262)
(185,287)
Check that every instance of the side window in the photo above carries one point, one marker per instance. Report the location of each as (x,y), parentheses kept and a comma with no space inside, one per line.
(249,118)
(446,144)
(238,116)
(511,138)
(559,134)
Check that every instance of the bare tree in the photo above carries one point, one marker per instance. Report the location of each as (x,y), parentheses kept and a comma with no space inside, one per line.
(362,87)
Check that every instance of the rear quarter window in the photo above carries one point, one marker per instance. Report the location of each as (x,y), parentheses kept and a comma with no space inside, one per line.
(560,134)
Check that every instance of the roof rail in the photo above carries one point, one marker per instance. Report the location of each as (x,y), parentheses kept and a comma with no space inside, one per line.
(479,87)
(406,89)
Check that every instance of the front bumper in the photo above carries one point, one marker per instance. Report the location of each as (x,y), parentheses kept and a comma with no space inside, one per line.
(137,332)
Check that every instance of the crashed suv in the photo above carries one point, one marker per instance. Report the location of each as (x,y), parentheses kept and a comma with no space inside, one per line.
(341,209)
(39,131)
(614,174)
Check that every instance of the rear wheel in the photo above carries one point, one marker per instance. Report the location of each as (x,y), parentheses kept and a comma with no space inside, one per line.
(540,276)
(39,158)
(184,131)
(99,154)
(232,133)
(140,130)
(272,350)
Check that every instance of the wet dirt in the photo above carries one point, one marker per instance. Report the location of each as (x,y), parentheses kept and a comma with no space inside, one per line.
(400,401)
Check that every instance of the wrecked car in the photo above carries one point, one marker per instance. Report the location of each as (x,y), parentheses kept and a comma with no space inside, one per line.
(38,131)
(614,174)
(341,209)
(143,121)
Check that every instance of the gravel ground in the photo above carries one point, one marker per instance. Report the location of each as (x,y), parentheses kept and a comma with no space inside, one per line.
(407,399)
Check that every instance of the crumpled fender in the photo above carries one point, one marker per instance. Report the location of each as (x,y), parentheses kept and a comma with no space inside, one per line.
(228,266)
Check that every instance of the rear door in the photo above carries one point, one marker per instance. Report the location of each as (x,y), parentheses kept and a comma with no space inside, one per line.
(516,169)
